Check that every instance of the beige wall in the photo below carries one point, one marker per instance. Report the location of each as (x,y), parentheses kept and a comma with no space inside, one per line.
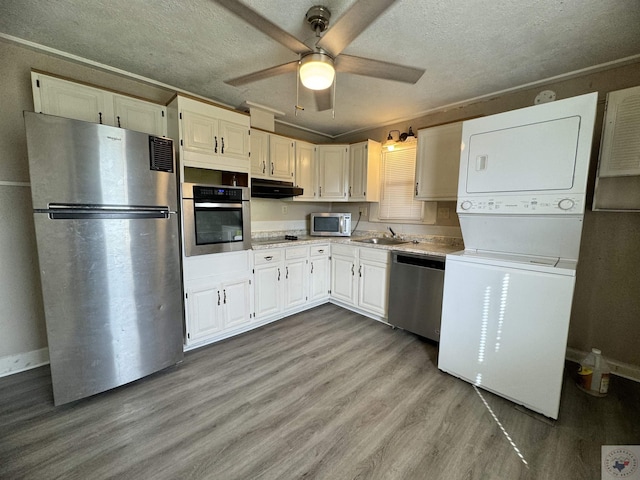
(606,309)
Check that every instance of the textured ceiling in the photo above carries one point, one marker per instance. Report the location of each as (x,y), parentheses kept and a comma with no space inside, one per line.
(469,48)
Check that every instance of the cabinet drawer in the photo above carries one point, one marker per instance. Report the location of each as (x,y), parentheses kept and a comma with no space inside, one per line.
(374,255)
(344,250)
(267,256)
(295,252)
(319,250)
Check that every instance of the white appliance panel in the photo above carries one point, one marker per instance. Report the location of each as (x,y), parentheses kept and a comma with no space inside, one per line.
(551,236)
(505,329)
(516,160)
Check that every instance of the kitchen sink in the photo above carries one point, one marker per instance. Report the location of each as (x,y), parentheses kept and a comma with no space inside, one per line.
(382,241)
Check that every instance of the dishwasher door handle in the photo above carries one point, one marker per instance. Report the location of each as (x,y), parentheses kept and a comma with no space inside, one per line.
(423,262)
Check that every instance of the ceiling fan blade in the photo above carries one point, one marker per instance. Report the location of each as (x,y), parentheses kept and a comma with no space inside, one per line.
(324,99)
(262,74)
(355,20)
(265,26)
(377,68)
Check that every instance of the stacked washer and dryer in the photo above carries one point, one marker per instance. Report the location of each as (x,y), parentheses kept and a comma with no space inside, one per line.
(507,297)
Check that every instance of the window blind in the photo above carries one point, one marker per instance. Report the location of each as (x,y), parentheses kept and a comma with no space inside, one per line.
(398,177)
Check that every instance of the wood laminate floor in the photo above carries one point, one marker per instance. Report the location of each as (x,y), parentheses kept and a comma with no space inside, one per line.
(325,394)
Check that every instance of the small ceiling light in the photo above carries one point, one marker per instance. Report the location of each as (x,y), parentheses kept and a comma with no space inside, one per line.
(316,71)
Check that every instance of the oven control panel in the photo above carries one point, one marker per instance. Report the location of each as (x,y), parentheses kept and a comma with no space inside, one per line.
(522,204)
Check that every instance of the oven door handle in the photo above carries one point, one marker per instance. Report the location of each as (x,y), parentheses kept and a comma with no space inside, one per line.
(217,205)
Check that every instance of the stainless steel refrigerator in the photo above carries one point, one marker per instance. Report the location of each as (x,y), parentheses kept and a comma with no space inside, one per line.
(105,203)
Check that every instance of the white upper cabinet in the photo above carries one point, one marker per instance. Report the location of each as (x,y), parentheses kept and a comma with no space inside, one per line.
(259,153)
(438,162)
(333,172)
(212,137)
(364,172)
(64,98)
(272,156)
(305,170)
(281,158)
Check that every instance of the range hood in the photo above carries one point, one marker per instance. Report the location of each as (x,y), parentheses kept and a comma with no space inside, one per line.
(273,189)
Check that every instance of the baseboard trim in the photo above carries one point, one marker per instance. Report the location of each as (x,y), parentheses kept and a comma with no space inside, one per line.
(20,362)
(625,370)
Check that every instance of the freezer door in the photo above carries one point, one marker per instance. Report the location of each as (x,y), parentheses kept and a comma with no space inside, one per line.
(75,162)
(113,297)
(505,330)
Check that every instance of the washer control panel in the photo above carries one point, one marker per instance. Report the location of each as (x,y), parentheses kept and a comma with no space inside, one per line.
(522,204)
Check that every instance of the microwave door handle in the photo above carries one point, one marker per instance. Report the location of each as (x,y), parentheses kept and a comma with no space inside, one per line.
(341,224)
(217,205)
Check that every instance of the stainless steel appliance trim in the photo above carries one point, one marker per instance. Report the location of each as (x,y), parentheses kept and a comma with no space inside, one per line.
(218,205)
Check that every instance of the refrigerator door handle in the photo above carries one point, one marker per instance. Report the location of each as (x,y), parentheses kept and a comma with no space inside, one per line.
(72,212)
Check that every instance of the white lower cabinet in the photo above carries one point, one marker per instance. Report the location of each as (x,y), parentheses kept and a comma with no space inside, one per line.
(268,282)
(319,273)
(217,305)
(360,278)
(295,277)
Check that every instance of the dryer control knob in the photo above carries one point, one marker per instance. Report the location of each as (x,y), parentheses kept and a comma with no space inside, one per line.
(566,204)
(466,205)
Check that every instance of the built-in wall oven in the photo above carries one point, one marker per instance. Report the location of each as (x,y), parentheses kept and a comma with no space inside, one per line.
(216,218)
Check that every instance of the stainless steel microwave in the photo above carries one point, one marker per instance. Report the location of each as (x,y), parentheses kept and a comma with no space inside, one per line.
(330,224)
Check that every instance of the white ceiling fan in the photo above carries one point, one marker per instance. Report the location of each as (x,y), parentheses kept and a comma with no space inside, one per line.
(317,66)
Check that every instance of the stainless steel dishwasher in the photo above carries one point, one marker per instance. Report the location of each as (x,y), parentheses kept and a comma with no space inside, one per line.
(415,293)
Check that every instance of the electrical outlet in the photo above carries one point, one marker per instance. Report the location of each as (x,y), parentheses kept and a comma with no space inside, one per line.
(363,211)
(443,212)
(285,209)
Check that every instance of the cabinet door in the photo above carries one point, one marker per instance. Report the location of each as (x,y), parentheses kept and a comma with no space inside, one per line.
(318,278)
(373,287)
(267,290)
(343,278)
(357,171)
(200,133)
(333,170)
(234,140)
(259,153)
(235,302)
(139,115)
(295,283)
(203,312)
(72,100)
(305,171)
(281,156)
(438,162)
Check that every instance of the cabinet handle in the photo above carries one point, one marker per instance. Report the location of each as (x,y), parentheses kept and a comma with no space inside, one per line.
(264,167)
(352,272)
(271,168)
(118,117)
(349,190)
(100,117)
(321,250)
(215,147)
(225,296)
(218,297)
(311,267)
(222,149)
(320,191)
(287,274)
(278,274)
(416,189)
(269,258)
(360,271)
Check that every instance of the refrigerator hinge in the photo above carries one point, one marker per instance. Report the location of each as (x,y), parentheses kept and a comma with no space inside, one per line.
(38,83)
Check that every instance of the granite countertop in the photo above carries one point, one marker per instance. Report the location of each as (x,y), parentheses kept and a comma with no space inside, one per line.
(424,247)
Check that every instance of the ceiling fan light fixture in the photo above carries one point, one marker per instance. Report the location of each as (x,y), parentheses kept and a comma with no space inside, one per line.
(317,71)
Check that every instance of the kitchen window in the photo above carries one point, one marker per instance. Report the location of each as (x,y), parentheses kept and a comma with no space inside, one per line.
(397,203)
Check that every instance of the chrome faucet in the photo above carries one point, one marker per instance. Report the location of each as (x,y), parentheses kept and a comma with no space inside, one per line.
(393,234)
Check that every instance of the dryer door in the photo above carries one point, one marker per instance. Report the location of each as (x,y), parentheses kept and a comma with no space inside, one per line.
(537,157)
